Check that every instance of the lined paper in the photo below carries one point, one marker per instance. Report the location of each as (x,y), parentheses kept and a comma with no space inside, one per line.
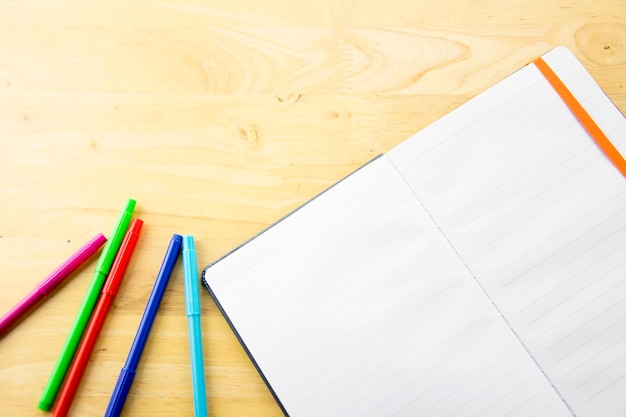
(357,306)
(538,214)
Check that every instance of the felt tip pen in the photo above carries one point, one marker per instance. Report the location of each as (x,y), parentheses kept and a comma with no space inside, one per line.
(52,281)
(125,380)
(111,286)
(84,311)
(192,301)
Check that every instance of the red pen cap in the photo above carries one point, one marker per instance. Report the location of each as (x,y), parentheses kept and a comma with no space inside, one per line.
(121,262)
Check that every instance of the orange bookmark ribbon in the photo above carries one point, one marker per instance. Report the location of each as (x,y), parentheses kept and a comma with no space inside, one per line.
(583,117)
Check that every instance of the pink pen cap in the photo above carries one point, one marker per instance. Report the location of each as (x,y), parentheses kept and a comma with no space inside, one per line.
(51,282)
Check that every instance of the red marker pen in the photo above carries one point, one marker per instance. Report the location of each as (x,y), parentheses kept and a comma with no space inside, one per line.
(109,291)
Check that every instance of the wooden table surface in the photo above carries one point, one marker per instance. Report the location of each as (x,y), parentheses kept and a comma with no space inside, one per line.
(219,117)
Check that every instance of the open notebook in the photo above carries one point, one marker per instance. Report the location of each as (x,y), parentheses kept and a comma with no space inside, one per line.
(477,269)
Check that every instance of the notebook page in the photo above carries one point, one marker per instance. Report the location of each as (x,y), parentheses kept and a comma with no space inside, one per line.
(357,306)
(539,214)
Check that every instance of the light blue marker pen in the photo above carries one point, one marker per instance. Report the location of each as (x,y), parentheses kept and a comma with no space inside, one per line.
(192,298)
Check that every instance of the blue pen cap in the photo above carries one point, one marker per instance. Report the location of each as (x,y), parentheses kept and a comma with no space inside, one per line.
(190,267)
(188,243)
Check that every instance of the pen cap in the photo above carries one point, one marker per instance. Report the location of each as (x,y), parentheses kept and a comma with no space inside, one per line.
(120,392)
(190,266)
(188,243)
(72,264)
(117,234)
(122,259)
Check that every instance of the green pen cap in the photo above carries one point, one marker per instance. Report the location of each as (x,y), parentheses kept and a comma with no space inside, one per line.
(117,234)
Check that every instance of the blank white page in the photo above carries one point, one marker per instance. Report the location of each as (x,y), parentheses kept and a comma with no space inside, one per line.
(357,306)
(538,213)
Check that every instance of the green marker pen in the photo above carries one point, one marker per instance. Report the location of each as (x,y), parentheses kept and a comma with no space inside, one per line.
(84,312)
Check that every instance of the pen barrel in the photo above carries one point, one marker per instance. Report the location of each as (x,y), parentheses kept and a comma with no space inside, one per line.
(18,310)
(71,342)
(120,392)
(77,369)
(141,337)
(154,300)
(197,366)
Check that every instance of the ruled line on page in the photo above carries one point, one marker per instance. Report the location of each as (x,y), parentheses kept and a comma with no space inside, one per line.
(511,106)
(504,188)
(447,397)
(350,292)
(503,398)
(594,355)
(488,161)
(550,292)
(544,244)
(575,349)
(346,204)
(536,106)
(317,233)
(590,163)
(311,232)
(573,242)
(488,113)
(606,387)
(510,192)
(401,318)
(517,410)
(485,389)
(533,217)
(591,320)
(502,355)
(601,370)
(320,297)
(400,340)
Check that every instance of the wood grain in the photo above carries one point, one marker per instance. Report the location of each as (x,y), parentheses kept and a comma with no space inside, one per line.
(219,117)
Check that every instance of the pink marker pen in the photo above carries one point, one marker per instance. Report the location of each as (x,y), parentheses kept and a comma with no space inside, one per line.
(51,282)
